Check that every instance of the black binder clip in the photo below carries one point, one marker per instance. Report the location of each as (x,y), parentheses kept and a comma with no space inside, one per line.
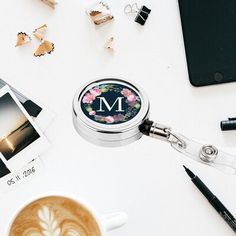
(229,124)
(142,15)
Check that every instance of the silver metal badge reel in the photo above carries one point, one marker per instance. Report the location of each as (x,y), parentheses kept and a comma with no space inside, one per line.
(113,112)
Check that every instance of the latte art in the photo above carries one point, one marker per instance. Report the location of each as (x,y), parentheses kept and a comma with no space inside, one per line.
(54,216)
(48,222)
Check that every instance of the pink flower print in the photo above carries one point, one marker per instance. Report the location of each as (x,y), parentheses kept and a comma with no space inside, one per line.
(95,92)
(131,98)
(92,113)
(121,117)
(118,117)
(131,104)
(88,98)
(126,92)
(109,119)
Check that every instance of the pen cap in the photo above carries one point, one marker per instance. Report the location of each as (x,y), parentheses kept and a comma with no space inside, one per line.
(109,111)
(229,124)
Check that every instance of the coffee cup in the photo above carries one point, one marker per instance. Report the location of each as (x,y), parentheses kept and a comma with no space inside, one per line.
(62,215)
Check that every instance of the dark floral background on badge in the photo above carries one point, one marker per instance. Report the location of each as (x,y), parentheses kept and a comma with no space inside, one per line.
(131,103)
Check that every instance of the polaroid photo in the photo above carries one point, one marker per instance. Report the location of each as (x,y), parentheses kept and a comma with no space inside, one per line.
(3,168)
(23,175)
(43,117)
(21,140)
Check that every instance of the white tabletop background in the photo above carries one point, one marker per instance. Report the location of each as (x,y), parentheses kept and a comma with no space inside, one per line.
(145,179)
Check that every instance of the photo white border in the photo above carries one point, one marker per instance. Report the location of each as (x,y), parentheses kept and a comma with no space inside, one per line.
(45,117)
(34,149)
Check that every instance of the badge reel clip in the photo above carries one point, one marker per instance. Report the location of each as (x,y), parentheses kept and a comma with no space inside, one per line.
(113,112)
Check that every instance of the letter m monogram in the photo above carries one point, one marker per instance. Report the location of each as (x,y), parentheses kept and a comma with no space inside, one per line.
(109,107)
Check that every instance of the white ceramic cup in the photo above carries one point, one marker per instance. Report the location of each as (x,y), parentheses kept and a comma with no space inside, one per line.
(105,222)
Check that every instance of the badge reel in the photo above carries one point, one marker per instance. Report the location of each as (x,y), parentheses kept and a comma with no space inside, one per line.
(113,112)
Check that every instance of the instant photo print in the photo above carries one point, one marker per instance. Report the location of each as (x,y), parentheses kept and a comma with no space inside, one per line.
(21,140)
(3,168)
(42,116)
(32,108)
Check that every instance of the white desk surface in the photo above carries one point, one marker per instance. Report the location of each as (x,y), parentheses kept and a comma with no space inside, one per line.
(146,179)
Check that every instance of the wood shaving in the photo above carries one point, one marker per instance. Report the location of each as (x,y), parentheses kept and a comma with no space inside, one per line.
(110,43)
(100,13)
(44,48)
(22,38)
(40,32)
(50,3)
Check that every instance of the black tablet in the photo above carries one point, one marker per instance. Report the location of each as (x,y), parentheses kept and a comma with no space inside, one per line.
(209,29)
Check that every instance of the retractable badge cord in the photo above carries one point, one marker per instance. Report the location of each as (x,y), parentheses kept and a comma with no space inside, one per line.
(113,112)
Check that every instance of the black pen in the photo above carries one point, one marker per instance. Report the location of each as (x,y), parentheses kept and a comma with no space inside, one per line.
(214,201)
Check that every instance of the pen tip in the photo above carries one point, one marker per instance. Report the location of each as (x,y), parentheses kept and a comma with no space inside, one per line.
(189,172)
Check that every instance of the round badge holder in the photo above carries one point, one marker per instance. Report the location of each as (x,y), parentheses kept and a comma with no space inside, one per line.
(119,126)
(113,112)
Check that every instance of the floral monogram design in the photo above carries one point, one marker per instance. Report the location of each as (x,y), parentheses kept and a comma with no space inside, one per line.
(131,105)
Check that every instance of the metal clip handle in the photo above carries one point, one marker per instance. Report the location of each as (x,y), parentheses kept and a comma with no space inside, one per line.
(204,153)
(161,132)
